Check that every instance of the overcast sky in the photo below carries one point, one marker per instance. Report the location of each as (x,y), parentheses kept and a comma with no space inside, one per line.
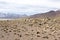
(28,6)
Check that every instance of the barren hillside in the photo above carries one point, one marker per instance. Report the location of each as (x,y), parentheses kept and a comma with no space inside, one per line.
(50,14)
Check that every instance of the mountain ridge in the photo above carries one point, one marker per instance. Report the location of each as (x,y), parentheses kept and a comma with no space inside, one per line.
(11,15)
(50,14)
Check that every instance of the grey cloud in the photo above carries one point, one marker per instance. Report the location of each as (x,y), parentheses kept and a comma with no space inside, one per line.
(24,9)
(1,2)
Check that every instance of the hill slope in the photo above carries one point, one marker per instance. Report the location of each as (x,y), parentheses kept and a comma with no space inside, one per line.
(51,14)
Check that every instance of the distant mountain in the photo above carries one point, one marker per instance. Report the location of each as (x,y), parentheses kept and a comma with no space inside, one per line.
(11,15)
(47,14)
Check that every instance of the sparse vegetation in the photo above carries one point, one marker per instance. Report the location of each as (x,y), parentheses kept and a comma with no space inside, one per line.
(30,28)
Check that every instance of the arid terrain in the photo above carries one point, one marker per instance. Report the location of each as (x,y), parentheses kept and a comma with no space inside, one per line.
(30,29)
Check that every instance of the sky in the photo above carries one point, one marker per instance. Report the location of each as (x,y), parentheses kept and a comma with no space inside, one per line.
(28,7)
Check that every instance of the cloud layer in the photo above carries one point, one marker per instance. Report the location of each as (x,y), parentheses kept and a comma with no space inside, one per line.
(28,7)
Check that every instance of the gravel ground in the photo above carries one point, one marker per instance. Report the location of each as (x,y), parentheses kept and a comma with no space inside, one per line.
(30,29)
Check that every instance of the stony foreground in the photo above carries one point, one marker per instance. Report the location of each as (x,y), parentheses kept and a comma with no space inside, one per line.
(30,29)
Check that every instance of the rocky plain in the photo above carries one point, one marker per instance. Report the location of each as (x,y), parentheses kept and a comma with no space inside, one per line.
(30,29)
